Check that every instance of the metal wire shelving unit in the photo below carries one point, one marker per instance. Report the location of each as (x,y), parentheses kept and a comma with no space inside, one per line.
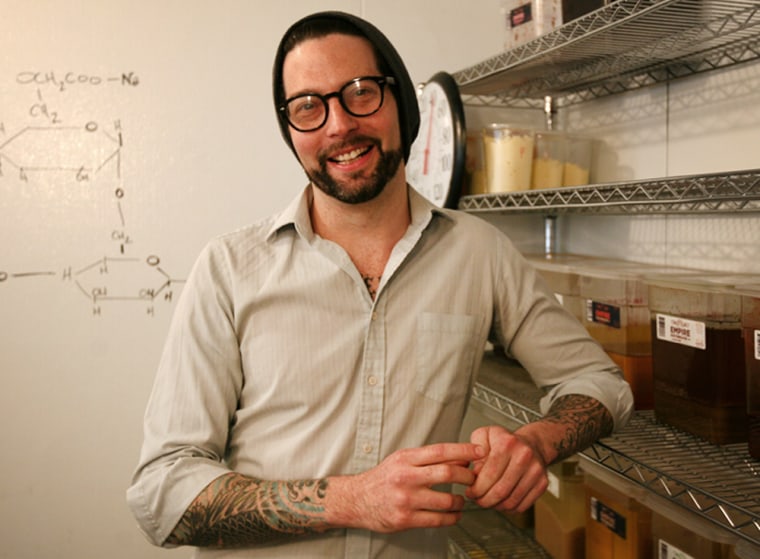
(625,45)
(718,483)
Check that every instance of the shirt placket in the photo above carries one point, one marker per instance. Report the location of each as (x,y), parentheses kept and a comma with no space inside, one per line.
(369,429)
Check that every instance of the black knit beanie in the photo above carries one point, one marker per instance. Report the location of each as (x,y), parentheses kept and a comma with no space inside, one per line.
(404,91)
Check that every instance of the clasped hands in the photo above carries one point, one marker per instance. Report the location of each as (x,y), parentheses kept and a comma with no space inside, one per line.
(499,469)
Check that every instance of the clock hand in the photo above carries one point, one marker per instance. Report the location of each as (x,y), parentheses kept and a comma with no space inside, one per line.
(429,135)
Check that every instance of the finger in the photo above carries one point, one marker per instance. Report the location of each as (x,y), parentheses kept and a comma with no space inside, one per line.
(522,478)
(490,472)
(434,519)
(434,500)
(528,498)
(438,474)
(442,453)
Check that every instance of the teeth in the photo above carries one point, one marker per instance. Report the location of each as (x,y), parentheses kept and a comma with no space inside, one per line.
(349,156)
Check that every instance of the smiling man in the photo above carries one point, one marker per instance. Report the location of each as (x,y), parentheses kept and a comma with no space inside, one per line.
(319,364)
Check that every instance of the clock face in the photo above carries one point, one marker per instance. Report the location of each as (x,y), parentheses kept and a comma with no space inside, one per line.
(434,159)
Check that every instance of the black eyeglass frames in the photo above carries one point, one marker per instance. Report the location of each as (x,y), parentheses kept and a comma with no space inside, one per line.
(359,97)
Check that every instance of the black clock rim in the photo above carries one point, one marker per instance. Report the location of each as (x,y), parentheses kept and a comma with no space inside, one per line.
(450,88)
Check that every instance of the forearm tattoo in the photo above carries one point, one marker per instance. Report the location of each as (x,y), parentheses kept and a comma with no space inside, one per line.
(235,510)
(585,419)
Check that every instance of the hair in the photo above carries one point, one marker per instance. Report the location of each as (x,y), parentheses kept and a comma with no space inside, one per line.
(388,62)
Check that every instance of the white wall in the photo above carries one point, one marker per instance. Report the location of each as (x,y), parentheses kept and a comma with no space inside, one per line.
(200,154)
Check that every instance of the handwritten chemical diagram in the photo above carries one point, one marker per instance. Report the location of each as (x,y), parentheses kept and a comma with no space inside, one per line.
(82,150)
(50,148)
(110,279)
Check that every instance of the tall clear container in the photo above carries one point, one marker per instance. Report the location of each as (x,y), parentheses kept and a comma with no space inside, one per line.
(548,160)
(578,152)
(508,157)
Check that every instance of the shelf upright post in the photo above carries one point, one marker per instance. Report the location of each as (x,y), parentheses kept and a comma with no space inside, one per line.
(549,111)
(550,235)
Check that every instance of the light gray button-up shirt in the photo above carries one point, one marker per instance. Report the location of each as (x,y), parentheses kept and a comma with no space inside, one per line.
(279,364)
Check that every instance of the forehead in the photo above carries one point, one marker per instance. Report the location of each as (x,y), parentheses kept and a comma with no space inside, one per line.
(326,63)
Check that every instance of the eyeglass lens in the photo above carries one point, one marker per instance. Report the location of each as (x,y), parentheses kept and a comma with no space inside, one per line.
(360,97)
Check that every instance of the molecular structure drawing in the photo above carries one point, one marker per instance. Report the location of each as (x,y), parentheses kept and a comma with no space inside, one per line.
(48,148)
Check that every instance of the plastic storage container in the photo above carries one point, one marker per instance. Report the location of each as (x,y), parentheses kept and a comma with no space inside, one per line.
(525,20)
(698,356)
(560,523)
(751,338)
(508,157)
(617,316)
(618,526)
(676,539)
(560,272)
(548,160)
(475,179)
(578,153)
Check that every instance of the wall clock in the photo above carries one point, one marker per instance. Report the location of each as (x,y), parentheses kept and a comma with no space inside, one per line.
(437,157)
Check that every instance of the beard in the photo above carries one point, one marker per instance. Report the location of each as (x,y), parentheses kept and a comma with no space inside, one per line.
(370,187)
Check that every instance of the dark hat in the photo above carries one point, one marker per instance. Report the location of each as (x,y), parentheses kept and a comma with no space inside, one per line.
(388,60)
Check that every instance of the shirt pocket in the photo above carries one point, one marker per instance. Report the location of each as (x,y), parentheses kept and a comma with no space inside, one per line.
(446,345)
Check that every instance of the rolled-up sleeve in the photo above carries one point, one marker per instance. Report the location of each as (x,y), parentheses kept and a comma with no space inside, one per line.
(192,403)
(553,346)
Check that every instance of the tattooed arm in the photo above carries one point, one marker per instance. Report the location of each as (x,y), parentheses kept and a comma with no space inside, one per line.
(513,473)
(235,510)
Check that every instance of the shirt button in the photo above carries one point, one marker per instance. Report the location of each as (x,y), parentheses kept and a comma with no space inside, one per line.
(372,381)
(374,315)
(367,448)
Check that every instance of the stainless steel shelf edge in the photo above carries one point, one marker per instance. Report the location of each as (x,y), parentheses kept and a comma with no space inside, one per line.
(623,46)
(712,193)
(720,483)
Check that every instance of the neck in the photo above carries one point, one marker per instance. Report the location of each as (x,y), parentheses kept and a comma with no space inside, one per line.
(367,231)
(382,219)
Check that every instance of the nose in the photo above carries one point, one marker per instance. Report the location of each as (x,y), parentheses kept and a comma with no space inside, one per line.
(339,120)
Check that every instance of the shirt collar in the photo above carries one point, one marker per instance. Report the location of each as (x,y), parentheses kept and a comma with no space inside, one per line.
(296,214)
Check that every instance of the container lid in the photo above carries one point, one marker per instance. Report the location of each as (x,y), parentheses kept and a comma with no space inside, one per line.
(560,271)
(622,282)
(708,295)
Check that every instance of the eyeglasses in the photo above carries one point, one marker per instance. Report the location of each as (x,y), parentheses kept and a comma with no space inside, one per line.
(359,97)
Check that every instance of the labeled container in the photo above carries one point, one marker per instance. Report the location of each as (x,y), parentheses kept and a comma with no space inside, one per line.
(698,355)
(548,160)
(525,20)
(618,526)
(560,522)
(577,168)
(678,537)
(508,157)
(617,316)
(751,337)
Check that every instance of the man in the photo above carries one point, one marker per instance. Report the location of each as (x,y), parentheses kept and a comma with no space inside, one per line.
(319,363)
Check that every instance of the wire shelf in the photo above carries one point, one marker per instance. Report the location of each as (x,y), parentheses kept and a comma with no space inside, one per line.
(720,483)
(713,193)
(625,45)
(486,533)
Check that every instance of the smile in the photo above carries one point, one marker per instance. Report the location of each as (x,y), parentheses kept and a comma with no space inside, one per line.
(351,155)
